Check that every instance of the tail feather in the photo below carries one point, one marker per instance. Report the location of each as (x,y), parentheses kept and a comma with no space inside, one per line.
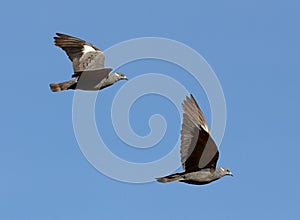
(170,178)
(58,87)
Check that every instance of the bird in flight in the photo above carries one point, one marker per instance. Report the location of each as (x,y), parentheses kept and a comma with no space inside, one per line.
(88,65)
(199,153)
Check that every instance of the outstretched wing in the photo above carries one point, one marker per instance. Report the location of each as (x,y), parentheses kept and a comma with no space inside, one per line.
(198,150)
(83,55)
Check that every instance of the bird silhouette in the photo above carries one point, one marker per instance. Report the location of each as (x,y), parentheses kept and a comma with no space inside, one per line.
(88,65)
(199,153)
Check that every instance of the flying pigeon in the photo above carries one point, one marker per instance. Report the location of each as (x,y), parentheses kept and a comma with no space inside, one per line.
(199,153)
(88,66)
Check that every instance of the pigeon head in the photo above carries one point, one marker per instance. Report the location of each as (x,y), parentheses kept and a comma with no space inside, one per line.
(119,76)
(224,171)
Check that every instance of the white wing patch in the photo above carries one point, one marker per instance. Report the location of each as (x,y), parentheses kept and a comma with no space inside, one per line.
(205,128)
(87,48)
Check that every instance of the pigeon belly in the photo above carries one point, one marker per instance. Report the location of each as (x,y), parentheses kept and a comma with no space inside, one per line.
(199,177)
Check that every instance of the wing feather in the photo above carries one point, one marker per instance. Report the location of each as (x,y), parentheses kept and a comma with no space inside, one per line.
(83,55)
(198,150)
(92,79)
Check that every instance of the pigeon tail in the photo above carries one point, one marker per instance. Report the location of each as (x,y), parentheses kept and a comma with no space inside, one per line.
(171,178)
(58,87)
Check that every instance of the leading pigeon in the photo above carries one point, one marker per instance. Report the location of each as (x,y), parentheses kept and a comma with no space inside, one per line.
(199,153)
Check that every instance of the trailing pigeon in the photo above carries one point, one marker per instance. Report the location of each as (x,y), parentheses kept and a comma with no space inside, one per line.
(199,153)
(88,66)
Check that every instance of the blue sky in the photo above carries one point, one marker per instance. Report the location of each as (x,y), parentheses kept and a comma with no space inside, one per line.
(253,47)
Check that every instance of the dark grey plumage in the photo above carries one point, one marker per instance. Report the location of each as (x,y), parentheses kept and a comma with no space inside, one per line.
(199,153)
(88,66)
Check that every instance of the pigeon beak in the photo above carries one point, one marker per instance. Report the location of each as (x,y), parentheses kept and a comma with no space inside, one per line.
(230,174)
(125,78)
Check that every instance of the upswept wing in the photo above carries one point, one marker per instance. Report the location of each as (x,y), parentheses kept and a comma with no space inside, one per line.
(83,55)
(198,150)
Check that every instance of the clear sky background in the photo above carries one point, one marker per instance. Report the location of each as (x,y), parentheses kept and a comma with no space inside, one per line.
(253,47)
